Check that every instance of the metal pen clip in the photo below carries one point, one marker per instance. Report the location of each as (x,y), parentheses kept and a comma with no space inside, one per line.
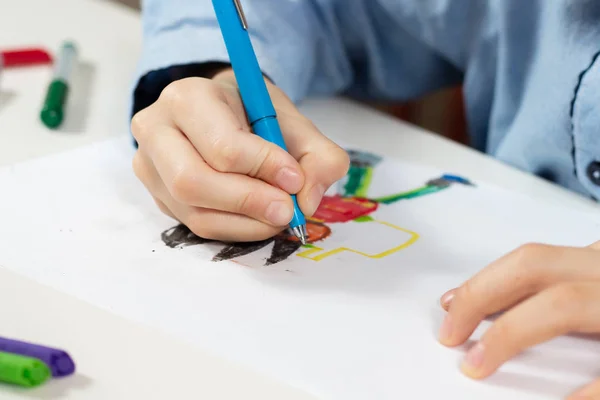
(240,11)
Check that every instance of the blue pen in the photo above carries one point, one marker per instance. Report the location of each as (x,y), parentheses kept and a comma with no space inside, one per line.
(253,90)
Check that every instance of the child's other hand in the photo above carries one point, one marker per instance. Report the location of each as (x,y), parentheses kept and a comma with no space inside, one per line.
(204,167)
(547,291)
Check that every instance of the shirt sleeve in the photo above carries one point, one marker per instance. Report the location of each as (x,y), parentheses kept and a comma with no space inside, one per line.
(291,41)
(316,47)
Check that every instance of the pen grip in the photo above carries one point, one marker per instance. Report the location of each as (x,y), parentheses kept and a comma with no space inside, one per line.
(298,219)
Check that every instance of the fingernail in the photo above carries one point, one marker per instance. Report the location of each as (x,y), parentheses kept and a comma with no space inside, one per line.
(447,299)
(474,359)
(446,329)
(278,213)
(289,180)
(315,197)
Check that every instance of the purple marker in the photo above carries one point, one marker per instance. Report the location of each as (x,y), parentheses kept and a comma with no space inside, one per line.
(59,361)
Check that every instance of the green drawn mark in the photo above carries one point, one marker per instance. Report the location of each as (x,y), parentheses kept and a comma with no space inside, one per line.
(364,218)
(359,180)
(308,246)
(365,183)
(422,191)
(355,176)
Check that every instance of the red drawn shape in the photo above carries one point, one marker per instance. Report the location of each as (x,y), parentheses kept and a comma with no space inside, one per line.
(343,209)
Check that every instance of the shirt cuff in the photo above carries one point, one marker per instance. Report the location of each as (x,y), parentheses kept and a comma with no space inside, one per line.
(151,85)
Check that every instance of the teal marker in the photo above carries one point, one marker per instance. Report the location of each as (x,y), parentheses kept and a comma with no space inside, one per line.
(56,98)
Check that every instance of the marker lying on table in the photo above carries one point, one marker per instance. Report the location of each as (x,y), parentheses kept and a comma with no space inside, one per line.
(52,113)
(24,57)
(59,362)
(253,90)
(22,371)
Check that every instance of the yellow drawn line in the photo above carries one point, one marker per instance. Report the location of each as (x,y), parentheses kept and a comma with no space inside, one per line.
(311,253)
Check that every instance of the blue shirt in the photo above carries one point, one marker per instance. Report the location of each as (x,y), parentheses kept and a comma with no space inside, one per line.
(530,69)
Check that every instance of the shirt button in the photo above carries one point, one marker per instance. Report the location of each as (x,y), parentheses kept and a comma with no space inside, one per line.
(593,172)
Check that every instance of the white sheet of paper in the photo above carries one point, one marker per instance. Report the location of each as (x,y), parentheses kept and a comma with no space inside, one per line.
(344,327)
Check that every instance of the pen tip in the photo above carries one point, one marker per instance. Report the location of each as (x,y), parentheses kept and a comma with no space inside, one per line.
(301,234)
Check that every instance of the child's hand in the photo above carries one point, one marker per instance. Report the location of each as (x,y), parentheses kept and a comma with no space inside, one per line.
(547,290)
(204,167)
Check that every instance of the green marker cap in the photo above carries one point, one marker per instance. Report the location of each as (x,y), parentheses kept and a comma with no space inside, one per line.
(23,371)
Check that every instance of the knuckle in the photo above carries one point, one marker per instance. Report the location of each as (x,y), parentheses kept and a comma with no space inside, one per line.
(265,154)
(530,252)
(465,292)
(337,161)
(177,94)
(139,125)
(246,203)
(226,155)
(174,94)
(182,187)
(530,262)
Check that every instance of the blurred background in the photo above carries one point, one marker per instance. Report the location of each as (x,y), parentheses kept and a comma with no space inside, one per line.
(441,112)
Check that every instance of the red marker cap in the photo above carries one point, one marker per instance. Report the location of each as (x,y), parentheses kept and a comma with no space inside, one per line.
(24,57)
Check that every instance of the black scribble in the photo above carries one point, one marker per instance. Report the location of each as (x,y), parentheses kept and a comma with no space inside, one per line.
(284,245)
(181,235)
(283,248)
(235,250)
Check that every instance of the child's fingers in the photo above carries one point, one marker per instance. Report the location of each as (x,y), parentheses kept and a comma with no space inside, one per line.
(323,162)
(226,227)
(202,112)
(206,223)
(564,308)
(191,181)
(447,297)
(512,279)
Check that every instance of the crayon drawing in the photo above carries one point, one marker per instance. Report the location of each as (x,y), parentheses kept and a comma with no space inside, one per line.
(351,205)
(344,326)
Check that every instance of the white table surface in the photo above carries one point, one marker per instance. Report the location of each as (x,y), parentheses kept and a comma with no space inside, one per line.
(109,39)
(115,358)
